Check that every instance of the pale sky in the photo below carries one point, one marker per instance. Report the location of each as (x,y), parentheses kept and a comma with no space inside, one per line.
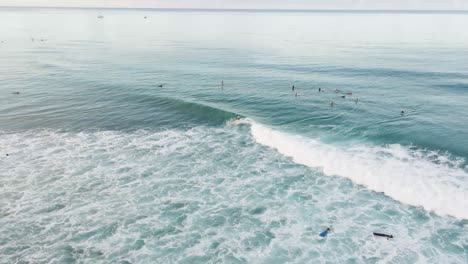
(252,4)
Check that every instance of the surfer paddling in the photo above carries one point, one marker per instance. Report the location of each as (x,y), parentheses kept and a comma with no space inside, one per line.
(325,232)
(383,235)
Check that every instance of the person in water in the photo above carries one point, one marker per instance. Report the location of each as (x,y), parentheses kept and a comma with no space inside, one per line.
(332,103)
(293,88)
(325,232)
(320,89)
(383,235)
(402,112)
(237,117)
(343,96)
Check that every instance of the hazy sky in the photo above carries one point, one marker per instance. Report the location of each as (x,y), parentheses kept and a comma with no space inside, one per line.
(253,4)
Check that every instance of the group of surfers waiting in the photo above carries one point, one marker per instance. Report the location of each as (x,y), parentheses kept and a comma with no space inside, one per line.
(332,103)
(320,90)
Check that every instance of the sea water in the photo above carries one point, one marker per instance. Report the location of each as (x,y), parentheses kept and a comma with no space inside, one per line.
(99,164)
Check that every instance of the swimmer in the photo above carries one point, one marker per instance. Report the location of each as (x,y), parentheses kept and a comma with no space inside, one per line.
(320,89)
(160,85)
(293,88)
(332,103)
(343,96)
(383,235)
(237,117)
(325,232)
(402,112)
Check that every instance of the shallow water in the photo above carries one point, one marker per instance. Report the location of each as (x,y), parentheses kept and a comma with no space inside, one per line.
(105,166)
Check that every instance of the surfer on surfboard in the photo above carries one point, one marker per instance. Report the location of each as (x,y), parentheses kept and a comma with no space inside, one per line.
(382,235)
(325,232)
(236,120)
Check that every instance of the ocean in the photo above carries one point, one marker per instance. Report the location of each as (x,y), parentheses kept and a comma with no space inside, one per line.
(119,141)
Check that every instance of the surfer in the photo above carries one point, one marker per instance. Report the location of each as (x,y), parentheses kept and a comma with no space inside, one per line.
(320,89)
(293,88)
(325,232)
(382,235)
(332,103)
(236,120)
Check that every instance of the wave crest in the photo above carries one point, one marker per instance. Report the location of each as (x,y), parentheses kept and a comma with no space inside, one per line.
(433,181)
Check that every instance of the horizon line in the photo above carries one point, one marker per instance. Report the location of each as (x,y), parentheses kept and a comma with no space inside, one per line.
(242,9)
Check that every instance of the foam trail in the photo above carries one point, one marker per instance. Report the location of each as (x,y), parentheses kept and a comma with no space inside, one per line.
(433,181)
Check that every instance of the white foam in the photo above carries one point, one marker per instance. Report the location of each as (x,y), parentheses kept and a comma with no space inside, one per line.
(92,193)
(414,177)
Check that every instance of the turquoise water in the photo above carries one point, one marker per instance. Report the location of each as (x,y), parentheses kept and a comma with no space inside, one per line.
(104,166)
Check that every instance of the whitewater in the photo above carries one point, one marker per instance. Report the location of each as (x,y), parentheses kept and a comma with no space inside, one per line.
(416,177)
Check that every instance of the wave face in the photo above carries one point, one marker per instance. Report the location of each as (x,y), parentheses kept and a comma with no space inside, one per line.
(428,179)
